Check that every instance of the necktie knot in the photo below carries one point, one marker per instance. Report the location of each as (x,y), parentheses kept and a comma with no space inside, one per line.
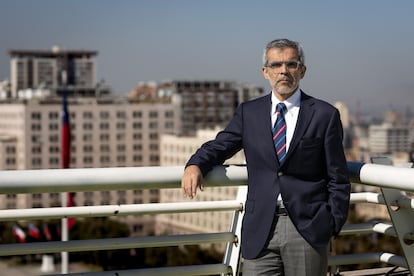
(281,107)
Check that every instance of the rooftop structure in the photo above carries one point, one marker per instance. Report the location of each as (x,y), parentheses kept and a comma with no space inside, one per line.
(57,70)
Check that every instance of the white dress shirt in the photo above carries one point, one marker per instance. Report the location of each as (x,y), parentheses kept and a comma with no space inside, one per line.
(291,117)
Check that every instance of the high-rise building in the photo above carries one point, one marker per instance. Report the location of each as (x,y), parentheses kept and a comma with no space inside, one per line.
(344,113)
(387,139)
(206,104)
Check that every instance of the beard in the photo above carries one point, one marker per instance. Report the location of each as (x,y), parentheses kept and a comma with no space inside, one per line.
(284,89)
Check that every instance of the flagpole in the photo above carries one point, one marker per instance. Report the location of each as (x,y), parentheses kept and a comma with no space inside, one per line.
(65,154)
(65,236)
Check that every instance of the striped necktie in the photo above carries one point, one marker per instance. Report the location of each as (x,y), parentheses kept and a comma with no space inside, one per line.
(279,132)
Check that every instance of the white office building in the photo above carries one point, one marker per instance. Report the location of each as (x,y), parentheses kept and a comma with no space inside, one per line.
(176,151)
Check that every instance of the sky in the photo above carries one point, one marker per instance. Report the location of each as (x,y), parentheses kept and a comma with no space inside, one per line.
(358,51)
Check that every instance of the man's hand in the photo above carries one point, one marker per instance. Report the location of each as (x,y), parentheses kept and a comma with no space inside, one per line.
(191,180)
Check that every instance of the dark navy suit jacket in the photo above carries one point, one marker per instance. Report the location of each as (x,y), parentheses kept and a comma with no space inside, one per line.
(312,179)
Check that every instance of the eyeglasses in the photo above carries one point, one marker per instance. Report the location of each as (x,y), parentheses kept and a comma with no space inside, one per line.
(290,65)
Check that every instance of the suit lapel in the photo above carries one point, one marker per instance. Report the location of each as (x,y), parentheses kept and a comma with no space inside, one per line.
(306,112)
(264,120)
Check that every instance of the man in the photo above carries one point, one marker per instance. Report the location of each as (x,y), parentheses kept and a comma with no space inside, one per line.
(298,187)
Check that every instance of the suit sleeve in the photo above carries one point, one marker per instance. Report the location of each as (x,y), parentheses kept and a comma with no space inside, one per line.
(338,185)
(227,143)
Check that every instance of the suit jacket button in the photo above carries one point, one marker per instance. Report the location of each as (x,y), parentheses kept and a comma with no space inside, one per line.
(280,174)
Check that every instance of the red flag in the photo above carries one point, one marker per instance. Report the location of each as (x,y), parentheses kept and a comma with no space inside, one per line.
(65,142)
(34,231)
(71,202)
(46,232)
(19,233)
(65,148)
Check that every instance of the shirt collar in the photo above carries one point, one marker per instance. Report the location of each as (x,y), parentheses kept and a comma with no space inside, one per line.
(291,102)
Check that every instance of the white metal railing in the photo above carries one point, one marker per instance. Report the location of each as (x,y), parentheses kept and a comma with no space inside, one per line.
(82,180)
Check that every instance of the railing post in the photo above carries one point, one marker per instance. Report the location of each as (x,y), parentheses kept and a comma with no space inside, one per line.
(403,220)
(232,255)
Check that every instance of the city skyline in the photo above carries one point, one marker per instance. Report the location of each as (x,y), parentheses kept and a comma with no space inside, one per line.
(356,52)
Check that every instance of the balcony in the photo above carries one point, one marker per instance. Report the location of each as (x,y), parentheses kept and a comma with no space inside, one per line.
(393,181)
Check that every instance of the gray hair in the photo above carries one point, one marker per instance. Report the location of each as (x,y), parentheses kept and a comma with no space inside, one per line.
(282,44)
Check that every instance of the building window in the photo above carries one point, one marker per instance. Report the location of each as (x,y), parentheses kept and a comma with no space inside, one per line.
(87,115)
(54,138)
(104,137)
(153,114)
(169,114)
(105,159)
(11,161)
(137,114)
(105,148)
(36,116)
(137,136)
(36,127)
(87,126)
(169,125)
(121,158)
(104,115)
(53,127)
(120,125)
(154,158)
(104,125)
(137,125)
(53,149)
(10,149)
(54,161)
(87,137)
(53,115)
(137,147)
(88,159)
(36,150)
(121,114)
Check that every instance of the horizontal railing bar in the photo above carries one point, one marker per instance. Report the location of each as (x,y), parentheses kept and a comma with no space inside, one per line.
(110,179)
(367,197)
(374,257)
(129,178)
(386,177)
(140,209)
(365,228)
(211,269)
(113,243)
(119,210)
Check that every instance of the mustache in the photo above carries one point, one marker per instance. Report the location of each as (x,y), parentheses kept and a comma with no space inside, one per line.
(285,78)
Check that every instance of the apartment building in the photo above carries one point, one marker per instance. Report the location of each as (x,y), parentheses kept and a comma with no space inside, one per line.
(106,132)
